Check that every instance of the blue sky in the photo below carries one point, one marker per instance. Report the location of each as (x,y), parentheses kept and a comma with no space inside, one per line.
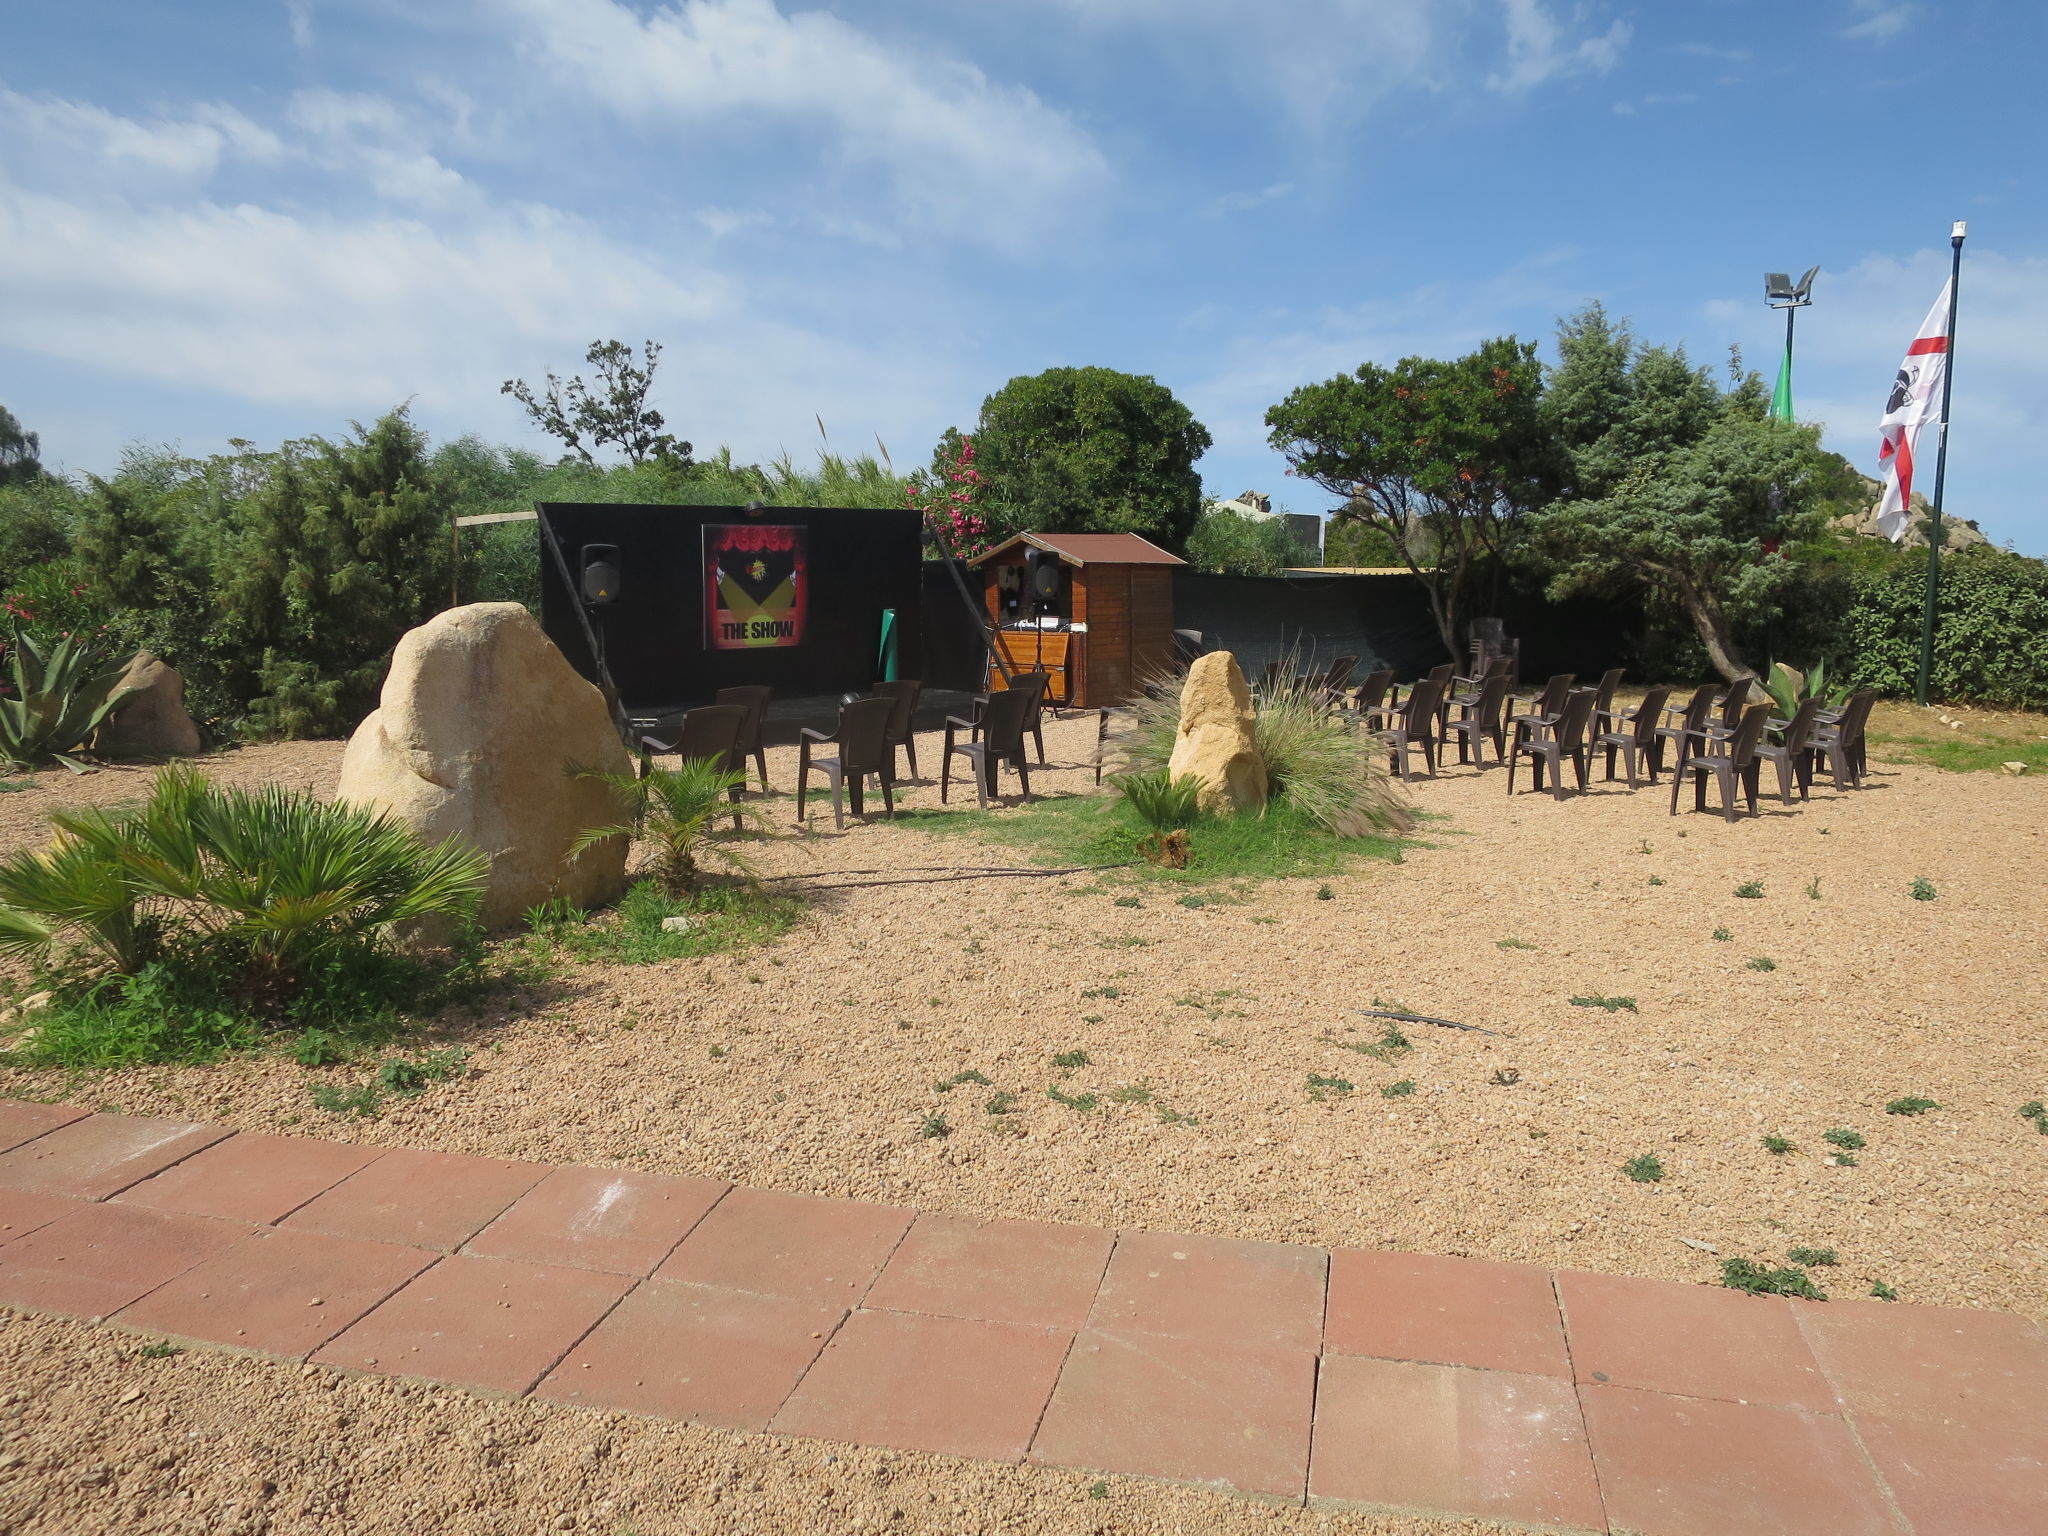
(262,218)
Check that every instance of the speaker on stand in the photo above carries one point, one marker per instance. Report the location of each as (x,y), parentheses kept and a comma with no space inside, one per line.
(598,587)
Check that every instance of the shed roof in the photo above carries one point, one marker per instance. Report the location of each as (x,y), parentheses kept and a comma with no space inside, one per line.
(1089,549)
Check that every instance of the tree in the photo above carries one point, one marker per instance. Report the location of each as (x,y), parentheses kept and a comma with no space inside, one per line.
(1088,450)
(1227,543)
(1442,457)
(617,414)
(20,452)
(1674,485)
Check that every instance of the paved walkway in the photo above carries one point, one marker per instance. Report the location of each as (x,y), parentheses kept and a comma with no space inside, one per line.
(1573,1401)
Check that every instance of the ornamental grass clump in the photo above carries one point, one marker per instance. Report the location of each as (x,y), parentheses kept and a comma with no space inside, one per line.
(208,916)
(1317,764)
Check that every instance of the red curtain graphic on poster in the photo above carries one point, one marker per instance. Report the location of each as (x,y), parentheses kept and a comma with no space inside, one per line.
(756,586)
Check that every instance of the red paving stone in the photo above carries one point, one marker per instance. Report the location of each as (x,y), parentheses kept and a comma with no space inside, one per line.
(1449,1440)
(1951,1481)
(490,1323)
(1690,1340)
(21,1213)
(1446,1386)
(600,1218)
(252,1177)
(1690,1466)
(94,1157)
(281,1293)
(1191,1410)
(1415,1306)
(1952,1365)
(428,1199)
(1226,1289)
(99,1258)
(695,1352)
(917,1383)
(22,1121)
(808,1249)
(1031,1272)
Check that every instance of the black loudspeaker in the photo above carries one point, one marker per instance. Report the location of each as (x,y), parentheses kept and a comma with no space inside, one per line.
(600,574)
(1045,581)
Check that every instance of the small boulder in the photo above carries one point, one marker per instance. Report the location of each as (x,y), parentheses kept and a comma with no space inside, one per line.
(480,724)
(154,723)
(2013,768)
(1217,742)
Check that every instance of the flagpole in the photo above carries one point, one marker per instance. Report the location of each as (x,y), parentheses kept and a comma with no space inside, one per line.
(1934,535)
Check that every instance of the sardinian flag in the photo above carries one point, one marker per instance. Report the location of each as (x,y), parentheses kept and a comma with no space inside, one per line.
(1915,401)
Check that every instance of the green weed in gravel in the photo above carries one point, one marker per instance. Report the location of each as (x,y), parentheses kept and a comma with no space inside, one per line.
(1747,1275)
(1646,1168)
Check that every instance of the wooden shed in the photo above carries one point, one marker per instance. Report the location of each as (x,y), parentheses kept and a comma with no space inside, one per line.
(1093,610)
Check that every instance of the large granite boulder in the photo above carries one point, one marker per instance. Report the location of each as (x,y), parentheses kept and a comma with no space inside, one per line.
(482,721)
(154,723)
(1216,742)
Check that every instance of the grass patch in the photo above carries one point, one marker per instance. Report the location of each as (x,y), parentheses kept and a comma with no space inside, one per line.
(1778,1146)
(162,1349)
(1400,1090)
(1848,1140)
(1611,1004)
(934,1127)
(1080,1103)
(1390,1045)
(1722,936)
(723,919)
(1070,1059)
(1747,1275)
(1645,1169)
(1910,1105)
(1922,889)
(1750,890)
(1321,1087)
(1131,1093)
(948,1084)
(1813,1258)
(1512,944)
(2037,1112)
(1762,963)
(396,1077)
(1102,829)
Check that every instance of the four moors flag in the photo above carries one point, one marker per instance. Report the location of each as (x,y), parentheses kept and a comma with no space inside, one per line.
(1915,401)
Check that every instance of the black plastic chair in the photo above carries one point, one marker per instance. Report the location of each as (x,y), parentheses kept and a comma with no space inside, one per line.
(1840,740)
(904,694)
(994,737)
(1370,694)
(1690,722)
(753,698)
(863,738)
(1632,735)
(711,731)
(1543,707)
(1417,731)
(1033,684)
(1730,761)
(1789,752)
(1481,719)
(1550,741)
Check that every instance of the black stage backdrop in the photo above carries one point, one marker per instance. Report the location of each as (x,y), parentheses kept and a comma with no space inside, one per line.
(857,562)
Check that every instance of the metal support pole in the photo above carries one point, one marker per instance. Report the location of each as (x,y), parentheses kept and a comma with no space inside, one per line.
(1934,531)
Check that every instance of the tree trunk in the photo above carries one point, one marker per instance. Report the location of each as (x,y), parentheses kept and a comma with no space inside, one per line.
(1715,633)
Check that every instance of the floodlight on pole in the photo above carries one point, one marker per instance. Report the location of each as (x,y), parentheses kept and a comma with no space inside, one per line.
(1782,293)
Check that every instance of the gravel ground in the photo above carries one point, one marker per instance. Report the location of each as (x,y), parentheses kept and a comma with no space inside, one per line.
(811,1066)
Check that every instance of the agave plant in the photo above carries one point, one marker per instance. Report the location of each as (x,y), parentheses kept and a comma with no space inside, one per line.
(1789,688)
(673,808)
(267,877)
(57,697)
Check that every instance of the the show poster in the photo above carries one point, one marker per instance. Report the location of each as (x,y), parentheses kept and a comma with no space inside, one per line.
(756,585)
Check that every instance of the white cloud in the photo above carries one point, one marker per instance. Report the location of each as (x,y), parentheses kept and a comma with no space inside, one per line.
(1540,48)
(961,152)
(1243,202)
(69,136)
(1882,19)
(315,316)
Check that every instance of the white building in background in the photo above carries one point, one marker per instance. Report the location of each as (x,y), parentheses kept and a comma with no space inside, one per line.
(1306,527)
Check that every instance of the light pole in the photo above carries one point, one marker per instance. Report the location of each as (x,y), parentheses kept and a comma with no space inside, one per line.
(1782,293)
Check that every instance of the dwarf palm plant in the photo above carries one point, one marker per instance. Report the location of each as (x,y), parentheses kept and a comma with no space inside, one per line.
(264,880)
(1789,688)
(57,696)
(673,808)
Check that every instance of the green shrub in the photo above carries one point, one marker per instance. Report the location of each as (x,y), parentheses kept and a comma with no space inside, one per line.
(1816,1258)
(1922,889)
(674,808)
(1912,1104)
(1163,802)
(1647,1168)
(190,924)
(1991,627)
(1846,1139)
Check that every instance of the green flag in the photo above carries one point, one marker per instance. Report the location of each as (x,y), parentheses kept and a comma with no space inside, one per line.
(1781,397)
